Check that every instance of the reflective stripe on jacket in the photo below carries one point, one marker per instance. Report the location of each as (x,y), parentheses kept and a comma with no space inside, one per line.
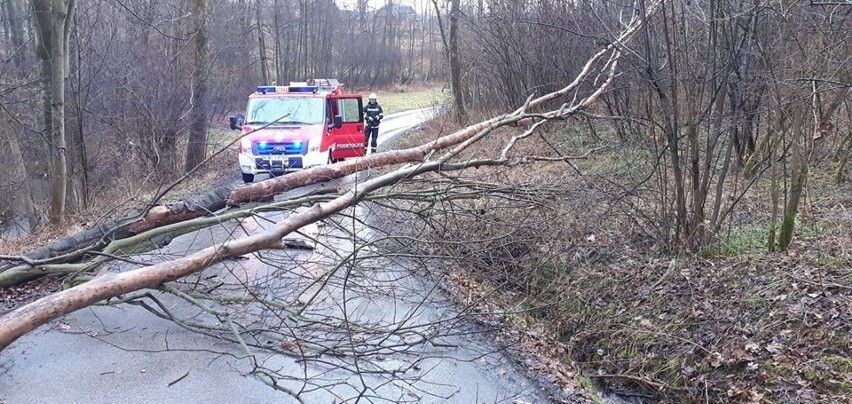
(373,110)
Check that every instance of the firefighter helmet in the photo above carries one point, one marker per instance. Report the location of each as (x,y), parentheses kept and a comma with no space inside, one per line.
(372,97)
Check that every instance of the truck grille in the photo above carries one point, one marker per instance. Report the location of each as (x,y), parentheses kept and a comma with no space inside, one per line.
(278,165)
(283,148)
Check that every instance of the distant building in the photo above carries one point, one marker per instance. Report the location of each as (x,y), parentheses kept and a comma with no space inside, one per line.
(399,11)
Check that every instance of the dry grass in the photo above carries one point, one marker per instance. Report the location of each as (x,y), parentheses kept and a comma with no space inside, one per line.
(579,267)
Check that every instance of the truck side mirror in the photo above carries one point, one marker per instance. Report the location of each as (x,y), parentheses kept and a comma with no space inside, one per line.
(236,122)
(338,121)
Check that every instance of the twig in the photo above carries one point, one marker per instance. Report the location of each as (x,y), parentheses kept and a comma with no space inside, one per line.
(172,383)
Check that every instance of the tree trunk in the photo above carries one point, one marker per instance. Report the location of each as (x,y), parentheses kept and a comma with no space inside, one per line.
(843,152)
(279,57)
(669,108)
(261,46)
(455,64)
(16,31)
(303,38)
(774,196)
(78,180)
(52,17)
(362,15)
(16,203)
(77,189)
(196,149)
(799,173)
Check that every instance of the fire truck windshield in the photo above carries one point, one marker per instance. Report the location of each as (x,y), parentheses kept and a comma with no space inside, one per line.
(302,110)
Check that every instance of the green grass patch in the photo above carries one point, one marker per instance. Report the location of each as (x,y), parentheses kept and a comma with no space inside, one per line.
(590,387)
(408,99)
(753,239)
(741,241)
(838,363)
(777,370)
(831,261)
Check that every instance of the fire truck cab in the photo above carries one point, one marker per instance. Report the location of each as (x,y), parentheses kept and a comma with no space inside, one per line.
(305,124)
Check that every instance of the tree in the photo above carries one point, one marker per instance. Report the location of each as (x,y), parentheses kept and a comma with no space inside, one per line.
(16,203)
(261,45)
(455,64)
(196,149)
(53,24)
(15,30)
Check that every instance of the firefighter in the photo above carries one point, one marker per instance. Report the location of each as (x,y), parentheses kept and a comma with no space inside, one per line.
(373,116)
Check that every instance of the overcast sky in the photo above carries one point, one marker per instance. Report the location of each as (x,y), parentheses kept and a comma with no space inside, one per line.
(350,4)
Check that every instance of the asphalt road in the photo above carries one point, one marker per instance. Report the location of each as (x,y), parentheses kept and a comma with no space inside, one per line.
(376,330)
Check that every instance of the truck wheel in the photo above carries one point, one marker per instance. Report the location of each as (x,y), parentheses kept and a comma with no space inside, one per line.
(248,178)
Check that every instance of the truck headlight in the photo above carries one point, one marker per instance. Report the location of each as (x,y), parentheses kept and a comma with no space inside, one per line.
(314,144)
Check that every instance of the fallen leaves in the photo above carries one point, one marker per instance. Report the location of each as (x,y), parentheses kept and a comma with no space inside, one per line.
(16,296)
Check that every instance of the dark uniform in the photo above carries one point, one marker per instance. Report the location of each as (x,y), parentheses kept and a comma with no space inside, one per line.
(373,116)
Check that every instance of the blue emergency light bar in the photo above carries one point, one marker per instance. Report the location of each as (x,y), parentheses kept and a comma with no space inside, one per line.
(313,86)
(302,89)
(288,89)
(265,89)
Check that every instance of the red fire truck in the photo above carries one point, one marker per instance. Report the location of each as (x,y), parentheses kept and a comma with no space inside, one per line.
(305,124)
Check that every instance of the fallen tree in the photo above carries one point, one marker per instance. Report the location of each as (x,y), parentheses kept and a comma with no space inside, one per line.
(101,284)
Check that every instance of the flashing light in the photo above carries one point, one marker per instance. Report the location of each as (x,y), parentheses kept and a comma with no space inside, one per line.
(266,89)
(264,145)
(313,86)
(302,89)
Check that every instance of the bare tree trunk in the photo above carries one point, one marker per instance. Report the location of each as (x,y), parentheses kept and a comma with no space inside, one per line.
(843,152)
(244,39)
(16,31)
(78,180)
(799,174)
(77,188)
(455,64)
(362,15)
(52,25)
(279,58)
(261,46)
(774,196)
(16,203)
(668,105)
(196,149)
(303,34)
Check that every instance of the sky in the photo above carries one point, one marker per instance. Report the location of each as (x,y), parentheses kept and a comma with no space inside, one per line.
(374,4)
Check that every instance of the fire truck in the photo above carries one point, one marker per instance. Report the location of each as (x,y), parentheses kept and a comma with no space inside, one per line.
(305,124)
